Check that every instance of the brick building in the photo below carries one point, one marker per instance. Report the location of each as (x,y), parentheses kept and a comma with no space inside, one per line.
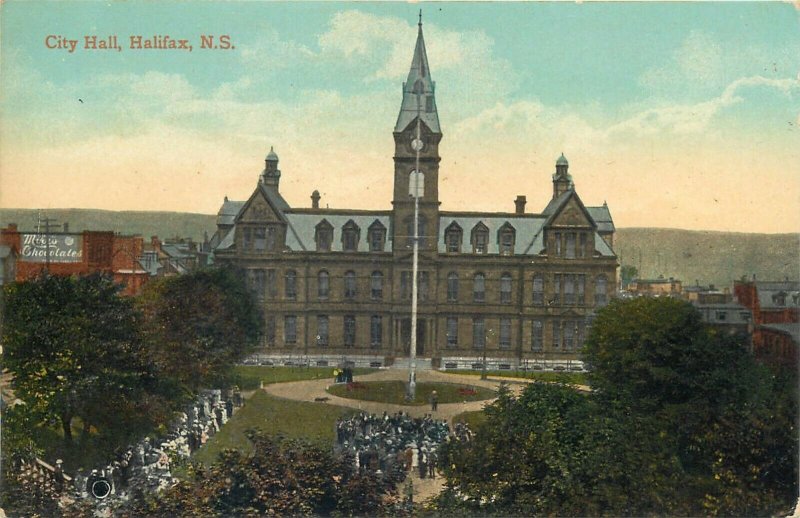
(336,283)
(776,318)
(77,253)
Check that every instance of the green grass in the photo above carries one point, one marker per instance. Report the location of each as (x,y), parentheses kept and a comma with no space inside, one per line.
(249,377)
(574,378)
(394,392)
(472,419)
(314,422)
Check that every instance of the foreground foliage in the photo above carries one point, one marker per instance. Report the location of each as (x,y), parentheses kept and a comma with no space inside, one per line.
(682,421)
(282,477)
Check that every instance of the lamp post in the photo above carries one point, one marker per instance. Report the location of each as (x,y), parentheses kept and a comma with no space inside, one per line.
(417,146)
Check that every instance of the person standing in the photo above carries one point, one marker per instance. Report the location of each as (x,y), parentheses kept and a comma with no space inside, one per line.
(434,398)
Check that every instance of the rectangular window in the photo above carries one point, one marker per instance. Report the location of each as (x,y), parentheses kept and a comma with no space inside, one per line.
(505,289)
(556,334)
(557,288)
(505,333)
(478,333)
(269,331)
(481,239)
(272,238)
(722,315)
(452,287)
(581,334)
(569,289)
(290,329)
(405,285)
(323,285)
(570,245)
(349,330)
(322,330)
(506,243)
(350,240)
(247,238)
(291,285)
(452,331)
(537,335)
(376,331)
(323,239)
(272,284)
(479,288)
(453,242)
(422,286)
(580,286)
(376,241)
(376,289)
(570,328)
(350,285)
(260,238)
(257,281)
(582,252)
(538,290)
(557,240)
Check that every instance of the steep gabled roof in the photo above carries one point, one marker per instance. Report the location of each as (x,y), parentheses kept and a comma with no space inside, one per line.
(419,74)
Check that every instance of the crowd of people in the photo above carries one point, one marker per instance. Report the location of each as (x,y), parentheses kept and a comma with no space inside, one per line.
(393,445)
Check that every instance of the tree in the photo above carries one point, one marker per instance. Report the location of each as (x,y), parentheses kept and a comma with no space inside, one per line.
(72,344)
(199,324)
(282,477)
(627,274)
(681,420)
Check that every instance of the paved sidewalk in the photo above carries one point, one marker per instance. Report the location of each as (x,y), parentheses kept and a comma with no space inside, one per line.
(310,390)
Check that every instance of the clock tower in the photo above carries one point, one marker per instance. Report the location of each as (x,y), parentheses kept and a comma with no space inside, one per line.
(416,142)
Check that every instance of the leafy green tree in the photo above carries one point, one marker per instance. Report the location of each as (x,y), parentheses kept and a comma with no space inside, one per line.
(681,421)
(199,324)
(627,273)
(72,345)
(282,477)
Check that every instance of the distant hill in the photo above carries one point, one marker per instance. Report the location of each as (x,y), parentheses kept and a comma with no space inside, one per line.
(146,224)
(710,257)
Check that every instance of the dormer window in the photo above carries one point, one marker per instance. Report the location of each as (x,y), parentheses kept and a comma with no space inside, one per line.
(324,236)
(480,239)
(377,236)
(350,236)
(452,238)
(505,238)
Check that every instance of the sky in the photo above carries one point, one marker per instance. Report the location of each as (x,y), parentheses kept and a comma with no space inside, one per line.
(681,115)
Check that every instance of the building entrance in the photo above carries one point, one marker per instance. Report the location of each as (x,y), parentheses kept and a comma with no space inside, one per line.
(405,335)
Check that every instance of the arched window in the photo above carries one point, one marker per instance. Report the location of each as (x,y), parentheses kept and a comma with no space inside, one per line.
(350,284)
(350,236)
(505,288)
(538,289)
(290,285)
(322,330)
(480,239)
(452,287)
(479,287)
(376,286)
(600,291)
(323,284)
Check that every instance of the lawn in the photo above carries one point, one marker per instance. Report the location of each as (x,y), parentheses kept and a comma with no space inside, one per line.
(573,378)
(249,377)
(394,392)
(315,422)
(472,419)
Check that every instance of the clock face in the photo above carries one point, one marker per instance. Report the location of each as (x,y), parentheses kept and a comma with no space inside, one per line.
(417,144)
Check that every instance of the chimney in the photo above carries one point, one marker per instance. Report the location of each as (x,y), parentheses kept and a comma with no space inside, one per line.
(315,200)
(66,228)
(520,204)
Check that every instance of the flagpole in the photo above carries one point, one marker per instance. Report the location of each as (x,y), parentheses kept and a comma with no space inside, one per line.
(412,364)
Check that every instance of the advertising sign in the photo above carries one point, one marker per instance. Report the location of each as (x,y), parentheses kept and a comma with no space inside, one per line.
(61,248)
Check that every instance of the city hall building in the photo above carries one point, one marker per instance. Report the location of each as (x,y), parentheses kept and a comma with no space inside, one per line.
(516,288)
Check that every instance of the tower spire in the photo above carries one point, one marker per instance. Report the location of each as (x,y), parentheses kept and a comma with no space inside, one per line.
(419,82)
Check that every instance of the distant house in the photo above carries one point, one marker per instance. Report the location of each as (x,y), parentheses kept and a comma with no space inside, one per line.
(728,317)
(174,256)
(660,287)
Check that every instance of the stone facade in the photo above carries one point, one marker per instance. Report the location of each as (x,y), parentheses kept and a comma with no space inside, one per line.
(336,284)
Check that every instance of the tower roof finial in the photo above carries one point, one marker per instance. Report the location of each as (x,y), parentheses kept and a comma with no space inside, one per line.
(420,18)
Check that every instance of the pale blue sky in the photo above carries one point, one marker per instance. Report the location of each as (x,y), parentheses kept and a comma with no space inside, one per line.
(681,97)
